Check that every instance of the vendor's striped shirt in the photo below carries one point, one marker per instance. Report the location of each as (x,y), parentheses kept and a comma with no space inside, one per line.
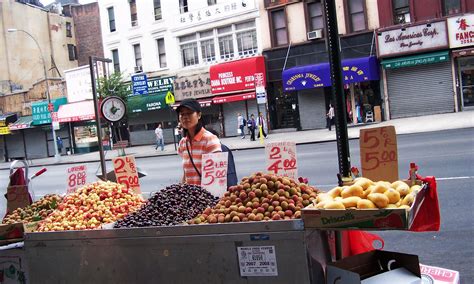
(204,142)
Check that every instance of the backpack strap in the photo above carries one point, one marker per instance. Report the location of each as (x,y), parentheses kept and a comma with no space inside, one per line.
(191,158)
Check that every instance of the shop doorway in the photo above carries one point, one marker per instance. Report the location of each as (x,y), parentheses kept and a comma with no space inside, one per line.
(283,108)
(466,70)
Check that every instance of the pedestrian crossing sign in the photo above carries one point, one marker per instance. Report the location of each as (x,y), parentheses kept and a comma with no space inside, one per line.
(169,99)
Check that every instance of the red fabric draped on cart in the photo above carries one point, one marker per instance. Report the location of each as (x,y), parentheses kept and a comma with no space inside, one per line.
(428,217)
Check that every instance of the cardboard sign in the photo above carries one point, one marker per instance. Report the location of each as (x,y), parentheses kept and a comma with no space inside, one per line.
(214,173)
(76,177)
(126,172)
(379,154)
(281,159)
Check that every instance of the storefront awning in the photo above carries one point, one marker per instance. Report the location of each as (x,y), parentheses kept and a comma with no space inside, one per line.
(7,118)
(78,111)
(23,122)
(318,75)
(419,59)
(234,98)
(142,103)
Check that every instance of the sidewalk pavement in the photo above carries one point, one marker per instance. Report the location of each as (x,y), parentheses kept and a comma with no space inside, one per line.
(410,125)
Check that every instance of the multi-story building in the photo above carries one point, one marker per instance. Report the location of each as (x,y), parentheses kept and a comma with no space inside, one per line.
(181,46)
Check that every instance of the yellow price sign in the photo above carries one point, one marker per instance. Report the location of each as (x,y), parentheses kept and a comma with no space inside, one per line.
(169,99)
(4,130)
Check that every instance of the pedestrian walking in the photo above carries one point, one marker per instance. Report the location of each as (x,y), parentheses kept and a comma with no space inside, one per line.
(262,124)
(60,144)
(252,125)
(330,117)
(178,132)
(159,138)
(241,125)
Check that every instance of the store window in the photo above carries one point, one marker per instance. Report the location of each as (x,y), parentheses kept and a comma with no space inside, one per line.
(451,7)
(401,11)
(138,55)
(315,15)
(133,12)
(85,136)
(356,15)
(279,27)
(157,9)
(68,29)
(72,52)
(110,12)
(183,6)
(466,67)
(115,60)
(161,52)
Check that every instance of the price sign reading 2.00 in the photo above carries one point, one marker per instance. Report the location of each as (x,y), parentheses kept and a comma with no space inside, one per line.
(281,159)
(126,172)
(214,173)
(378,153)
(76,177)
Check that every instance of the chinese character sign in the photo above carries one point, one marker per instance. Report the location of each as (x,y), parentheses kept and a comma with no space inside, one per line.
(126,172)
(76,177)
(378,153)
(214,173)
(281,159)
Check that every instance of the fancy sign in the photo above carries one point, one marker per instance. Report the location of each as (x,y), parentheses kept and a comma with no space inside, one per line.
(461,31)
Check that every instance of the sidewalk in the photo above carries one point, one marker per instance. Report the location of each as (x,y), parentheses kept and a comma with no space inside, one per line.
(410,125)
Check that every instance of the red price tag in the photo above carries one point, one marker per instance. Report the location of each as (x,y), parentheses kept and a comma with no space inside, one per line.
(378,153)
(126,172)
(76,177)
(214,173)
(281,159)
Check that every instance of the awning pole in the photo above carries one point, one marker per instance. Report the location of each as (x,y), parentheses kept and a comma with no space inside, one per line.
(286,57)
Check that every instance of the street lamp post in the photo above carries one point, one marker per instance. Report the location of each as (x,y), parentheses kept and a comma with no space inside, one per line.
(57,157)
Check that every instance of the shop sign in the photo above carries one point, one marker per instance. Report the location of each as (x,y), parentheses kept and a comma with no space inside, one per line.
(76,177)
(408,61)
(225,10)
(412,39)
(261,95)
(138,104)
(78,84)
(195,86)
(281,159)
(461,31)
(139,84)
(126,173)
(155,86)
(214,173)
(238,76)
(257,261)
(169,99)
(4,130)
(40,112)
(379,154)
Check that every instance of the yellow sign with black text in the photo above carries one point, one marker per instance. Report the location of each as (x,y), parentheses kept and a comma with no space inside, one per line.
(4,130)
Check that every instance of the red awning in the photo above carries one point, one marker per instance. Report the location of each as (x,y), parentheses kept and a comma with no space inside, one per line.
(233,98)
(79,111)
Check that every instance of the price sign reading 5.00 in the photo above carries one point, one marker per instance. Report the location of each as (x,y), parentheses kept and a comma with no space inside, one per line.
(281,159)
(214,173)
(378,153)
(76,177)
(126,172)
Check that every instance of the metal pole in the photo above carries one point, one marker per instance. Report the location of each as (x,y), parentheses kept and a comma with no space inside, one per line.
(92,62)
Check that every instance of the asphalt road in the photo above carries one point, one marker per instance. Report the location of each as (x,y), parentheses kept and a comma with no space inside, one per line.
(447,155)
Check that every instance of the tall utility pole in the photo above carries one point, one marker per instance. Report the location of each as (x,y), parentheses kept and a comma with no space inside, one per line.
(57,157)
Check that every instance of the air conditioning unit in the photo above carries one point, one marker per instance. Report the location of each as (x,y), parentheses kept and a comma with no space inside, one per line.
(316,34)
(138,69)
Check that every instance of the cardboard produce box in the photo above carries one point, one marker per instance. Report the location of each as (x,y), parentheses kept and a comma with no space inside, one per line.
(11,233)
(375,267)
(367,219)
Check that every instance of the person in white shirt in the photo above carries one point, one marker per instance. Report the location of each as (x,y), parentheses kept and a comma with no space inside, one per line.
(330,117)
(241,125)
(159,138)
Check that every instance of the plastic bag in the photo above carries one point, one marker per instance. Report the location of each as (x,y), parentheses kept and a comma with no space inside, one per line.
(428,217)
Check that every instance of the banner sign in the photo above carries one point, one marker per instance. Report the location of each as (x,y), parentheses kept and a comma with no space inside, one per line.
(126,172)
(195,86)
(139,84)
(40,112)
(281,159)
(76,177)
(214,173)
(155,86)
(461,31)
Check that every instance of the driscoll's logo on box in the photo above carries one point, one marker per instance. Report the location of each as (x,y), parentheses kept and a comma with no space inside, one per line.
(340,219)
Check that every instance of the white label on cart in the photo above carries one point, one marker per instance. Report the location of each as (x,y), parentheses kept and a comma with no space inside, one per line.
(257,261)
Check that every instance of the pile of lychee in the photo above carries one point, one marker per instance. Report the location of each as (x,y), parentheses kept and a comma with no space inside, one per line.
(260,197)
(366,194)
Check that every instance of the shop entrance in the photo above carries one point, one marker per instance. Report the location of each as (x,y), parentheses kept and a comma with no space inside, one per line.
(283,108)
(466,70)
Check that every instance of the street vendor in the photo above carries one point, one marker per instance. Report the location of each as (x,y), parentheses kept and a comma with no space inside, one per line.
(196,140)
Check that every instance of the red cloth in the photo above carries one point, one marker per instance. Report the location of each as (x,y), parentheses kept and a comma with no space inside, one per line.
(362,242)
(428,217)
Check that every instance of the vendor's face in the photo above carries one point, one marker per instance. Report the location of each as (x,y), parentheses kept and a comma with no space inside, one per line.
(189,118)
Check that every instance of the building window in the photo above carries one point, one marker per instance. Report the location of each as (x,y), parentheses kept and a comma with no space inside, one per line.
(183,6)
(190,55)
(279,28)
(247,42)
(211,2)
(401,11)
(138,55)
(315,15)
(161,52)
(451,7)
(157,7)
(110,11)
(72,52)
(133,12)
(68,29)
(208,50)
(226,46)
(356,13)
(115,60)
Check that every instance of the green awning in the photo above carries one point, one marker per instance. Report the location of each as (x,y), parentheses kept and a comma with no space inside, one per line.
(419,59)
(22,123)
(142,103)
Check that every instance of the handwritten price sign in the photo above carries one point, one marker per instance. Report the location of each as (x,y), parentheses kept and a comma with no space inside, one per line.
(281,159)
(379,154)
(76,177)
(214,173)
(126,172)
